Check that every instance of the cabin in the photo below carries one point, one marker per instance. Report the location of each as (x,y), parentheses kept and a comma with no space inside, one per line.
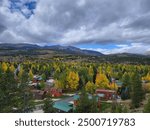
(104,94)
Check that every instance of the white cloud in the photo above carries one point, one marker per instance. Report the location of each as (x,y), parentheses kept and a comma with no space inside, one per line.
(79,21)
(137,48)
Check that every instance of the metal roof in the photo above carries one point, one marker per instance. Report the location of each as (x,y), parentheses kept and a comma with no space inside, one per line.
(63,106)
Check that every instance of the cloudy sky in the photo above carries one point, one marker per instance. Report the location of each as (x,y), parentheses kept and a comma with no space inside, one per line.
(108,26)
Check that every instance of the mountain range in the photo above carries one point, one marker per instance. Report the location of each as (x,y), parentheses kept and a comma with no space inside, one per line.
(63,49)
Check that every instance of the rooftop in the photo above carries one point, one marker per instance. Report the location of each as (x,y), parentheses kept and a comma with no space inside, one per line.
(63,106)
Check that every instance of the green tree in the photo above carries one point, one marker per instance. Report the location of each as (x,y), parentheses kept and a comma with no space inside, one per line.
(86,105)
(147,107)
(126,86)
(137,91)
(14,96)
(48,106)
(42,85)
(23,99)
(44,77)
(8,88)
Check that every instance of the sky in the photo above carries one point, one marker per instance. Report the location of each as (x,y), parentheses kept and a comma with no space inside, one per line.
(107,26)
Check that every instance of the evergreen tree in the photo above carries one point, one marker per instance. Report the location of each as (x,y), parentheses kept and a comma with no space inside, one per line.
(26,103)
(14,96)
(8,88)
(86,105)
(147,107)
(42,85)
(126,86)
(137,91)
(44,76)
(48,106)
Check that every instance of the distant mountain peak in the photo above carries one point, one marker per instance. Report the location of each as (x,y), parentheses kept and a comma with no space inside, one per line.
(64,49)
(74,50)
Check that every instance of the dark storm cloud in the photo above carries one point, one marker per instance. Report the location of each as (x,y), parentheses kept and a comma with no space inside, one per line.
(78,21)
(142,22)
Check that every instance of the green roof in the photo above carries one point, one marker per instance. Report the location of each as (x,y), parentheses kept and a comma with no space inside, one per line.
(63,106)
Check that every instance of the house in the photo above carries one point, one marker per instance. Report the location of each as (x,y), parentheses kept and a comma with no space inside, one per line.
(55,92)
(50,82)
(77,97)
(104,94)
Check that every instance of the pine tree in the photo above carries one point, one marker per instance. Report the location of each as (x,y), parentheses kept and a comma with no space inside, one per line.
(14,96)
(42,85)
(86,105)
(24,98)
(8,87)
(126,86)
(48,106)
(137,91)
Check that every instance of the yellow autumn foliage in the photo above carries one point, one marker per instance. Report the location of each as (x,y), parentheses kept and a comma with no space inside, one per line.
(90,87)
(147,77)
(73,80)
(4,67)
(101,81)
